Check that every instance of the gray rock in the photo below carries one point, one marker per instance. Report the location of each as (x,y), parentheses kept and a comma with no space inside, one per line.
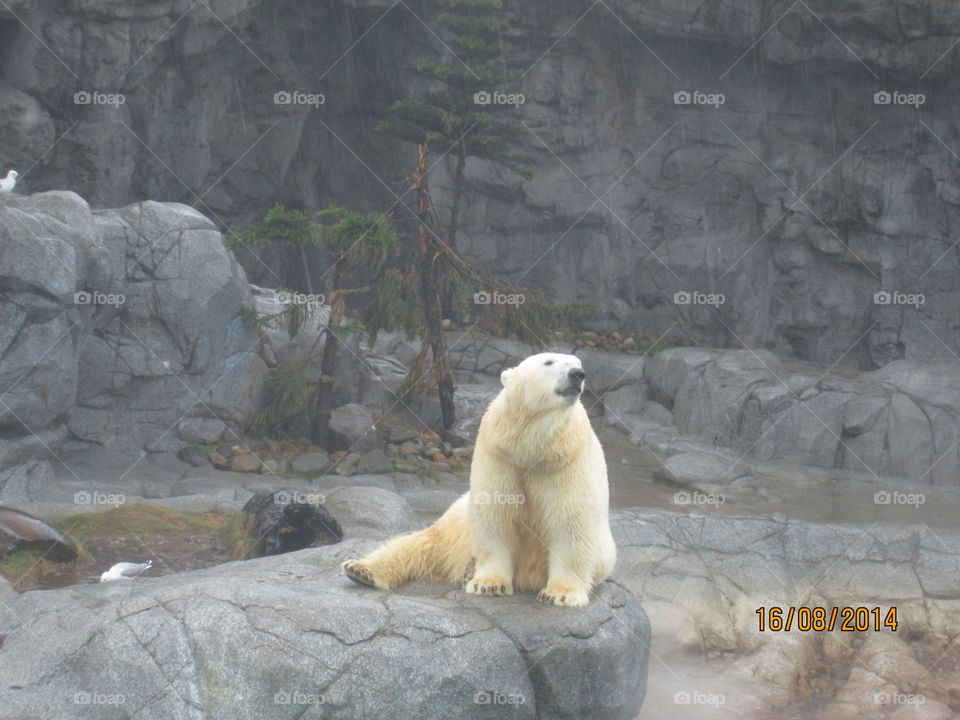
(374,461)
(861,415)
(477,353)
(126,320)
(245,463)
(6,590)
(901,421)
(608,372)
(623,401)
(656,413)
(401,436)
(380,381)
(699,469)
(430,500)
(26,482)
(331,482)
(720,568)
(353,429)
(273,466)
(371,507)
(200,430)
(277,347)
(797,278)
(234,392)
(116,470)
(286,635)
(194,456)
(311,463)
(348,464)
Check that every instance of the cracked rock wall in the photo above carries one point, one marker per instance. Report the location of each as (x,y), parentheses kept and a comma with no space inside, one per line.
(116,324)
(797,198)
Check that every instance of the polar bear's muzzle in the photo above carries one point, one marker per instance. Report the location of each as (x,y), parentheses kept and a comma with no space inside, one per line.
(574,384)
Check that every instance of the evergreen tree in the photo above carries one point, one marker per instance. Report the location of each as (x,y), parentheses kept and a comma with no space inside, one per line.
(455,116)
(357,245)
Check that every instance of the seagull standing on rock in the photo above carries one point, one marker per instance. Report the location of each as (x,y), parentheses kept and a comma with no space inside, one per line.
(125,571)
(7,184)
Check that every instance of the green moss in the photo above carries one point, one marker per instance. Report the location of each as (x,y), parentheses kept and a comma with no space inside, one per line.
(426,471)
(25,563)
(238,533)
(138,518)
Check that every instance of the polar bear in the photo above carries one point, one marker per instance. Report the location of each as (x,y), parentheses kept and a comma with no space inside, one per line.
(536,514)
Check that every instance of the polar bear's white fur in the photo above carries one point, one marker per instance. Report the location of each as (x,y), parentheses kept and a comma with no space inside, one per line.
(536,514)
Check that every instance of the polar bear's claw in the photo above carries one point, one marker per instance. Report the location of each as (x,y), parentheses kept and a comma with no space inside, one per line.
(356,571)
(564,596)
(489,586)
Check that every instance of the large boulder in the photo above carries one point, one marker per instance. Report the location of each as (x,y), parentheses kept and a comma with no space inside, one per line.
(287,637)
(352,428)
(901,421)
(45,244)
(117,324)
(178,344)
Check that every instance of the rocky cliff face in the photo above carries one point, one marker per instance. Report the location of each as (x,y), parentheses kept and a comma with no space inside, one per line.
(796,198)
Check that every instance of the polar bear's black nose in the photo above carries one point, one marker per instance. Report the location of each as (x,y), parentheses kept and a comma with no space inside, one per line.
(577,375)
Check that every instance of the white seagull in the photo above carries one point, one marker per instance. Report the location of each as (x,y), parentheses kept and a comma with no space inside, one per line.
(6,185)
(125,571)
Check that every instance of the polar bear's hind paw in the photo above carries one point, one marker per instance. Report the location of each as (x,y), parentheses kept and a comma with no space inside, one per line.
(358,572)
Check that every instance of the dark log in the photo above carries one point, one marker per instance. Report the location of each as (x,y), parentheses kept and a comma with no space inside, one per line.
(280,524)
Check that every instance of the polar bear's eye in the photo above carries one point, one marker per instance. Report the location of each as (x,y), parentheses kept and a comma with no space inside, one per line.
(549,362)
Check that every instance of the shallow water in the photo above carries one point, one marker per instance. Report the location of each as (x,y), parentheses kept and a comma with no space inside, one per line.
(170,553)
(792,492)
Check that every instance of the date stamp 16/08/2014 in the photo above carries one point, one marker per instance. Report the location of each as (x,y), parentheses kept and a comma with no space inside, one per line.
(818,619)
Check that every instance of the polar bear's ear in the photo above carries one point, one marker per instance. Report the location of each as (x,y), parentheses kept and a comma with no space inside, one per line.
(505,376)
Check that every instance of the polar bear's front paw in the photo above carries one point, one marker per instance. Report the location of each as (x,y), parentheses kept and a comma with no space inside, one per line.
(490,585)
(563,595)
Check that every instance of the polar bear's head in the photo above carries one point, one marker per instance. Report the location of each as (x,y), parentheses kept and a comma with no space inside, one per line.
(546,380)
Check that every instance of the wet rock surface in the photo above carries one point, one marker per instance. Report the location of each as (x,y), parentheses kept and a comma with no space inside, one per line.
(264,638)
